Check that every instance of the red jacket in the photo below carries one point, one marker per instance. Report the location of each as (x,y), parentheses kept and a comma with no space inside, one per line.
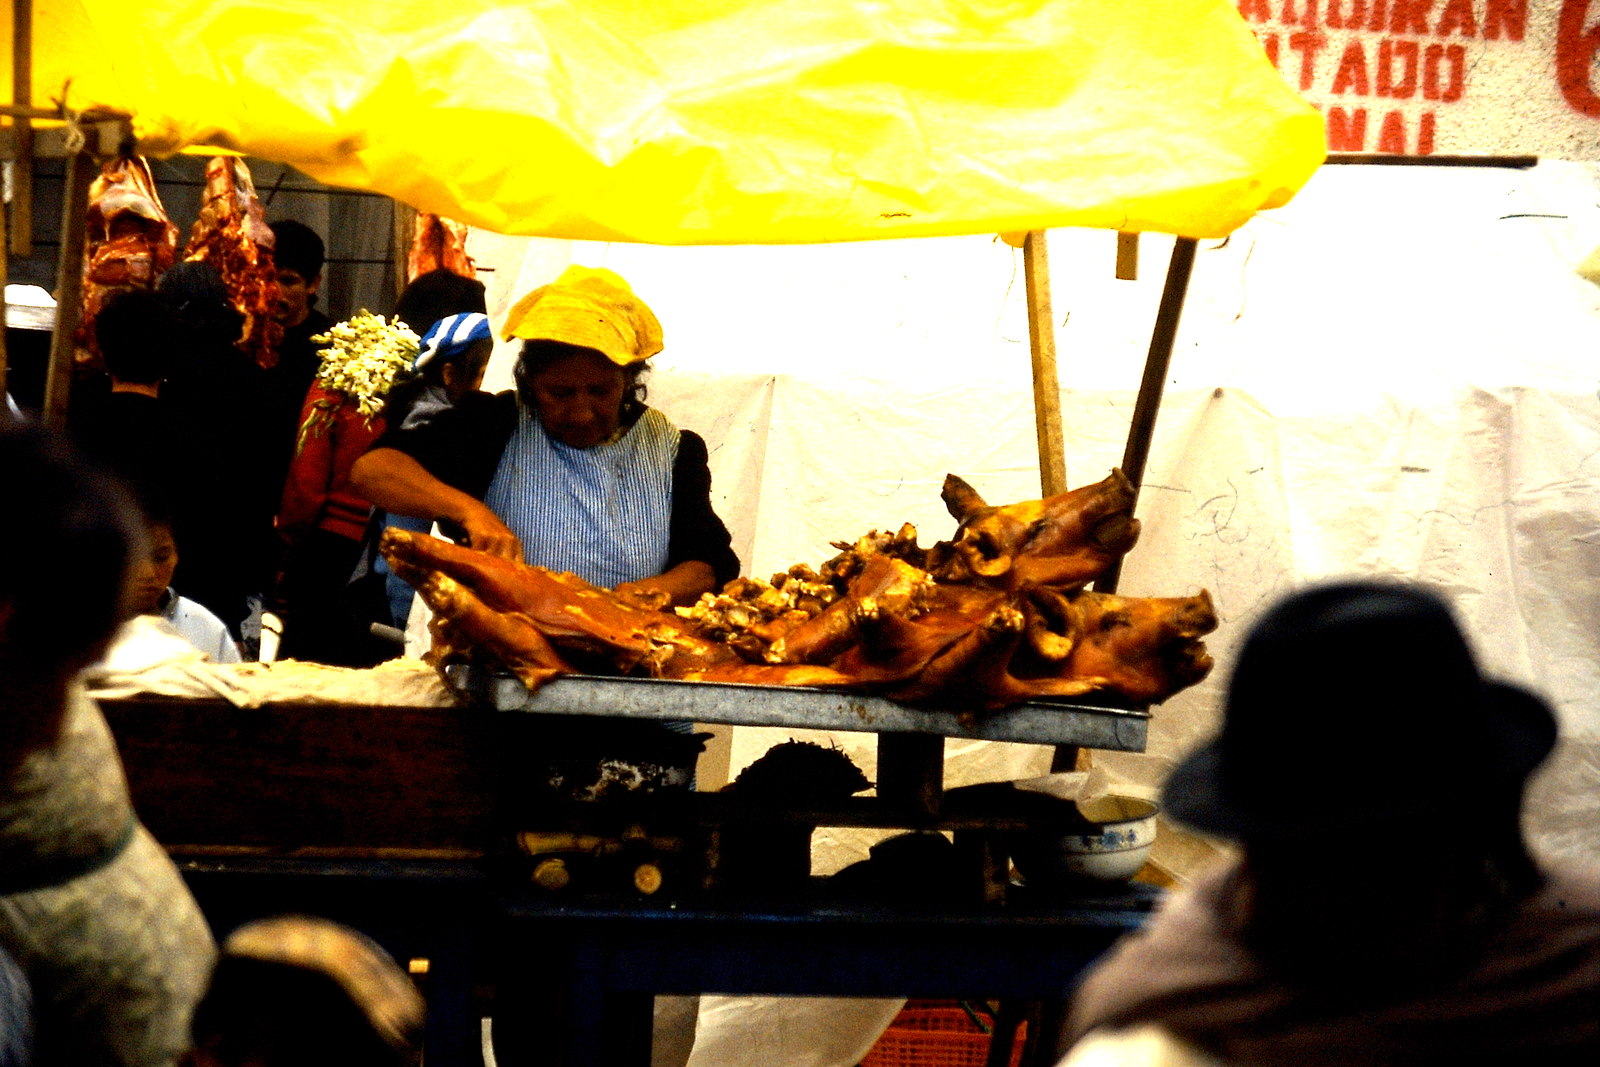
(317,493)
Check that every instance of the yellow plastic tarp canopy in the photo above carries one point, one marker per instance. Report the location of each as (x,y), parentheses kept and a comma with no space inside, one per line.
(716,121)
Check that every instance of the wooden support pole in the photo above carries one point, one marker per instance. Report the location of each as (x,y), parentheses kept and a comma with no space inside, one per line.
(1046,397)
(22,97)
(1148,404)
(911,773)
(1042,346)
(5,277)
(405,221)
(69,285)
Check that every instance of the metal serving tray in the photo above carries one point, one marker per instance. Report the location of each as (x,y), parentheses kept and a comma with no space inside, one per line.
(797,707)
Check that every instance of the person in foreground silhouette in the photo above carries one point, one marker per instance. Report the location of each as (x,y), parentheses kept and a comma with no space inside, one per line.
(1384,908)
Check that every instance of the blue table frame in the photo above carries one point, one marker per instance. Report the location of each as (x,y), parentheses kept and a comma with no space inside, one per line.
(575,980)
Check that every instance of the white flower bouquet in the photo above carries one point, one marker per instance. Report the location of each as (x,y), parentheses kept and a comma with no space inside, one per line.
(362,358)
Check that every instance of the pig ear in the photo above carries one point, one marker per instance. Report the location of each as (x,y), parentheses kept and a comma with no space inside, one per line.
(960,498)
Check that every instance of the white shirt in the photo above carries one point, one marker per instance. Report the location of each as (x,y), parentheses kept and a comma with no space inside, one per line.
(197,625)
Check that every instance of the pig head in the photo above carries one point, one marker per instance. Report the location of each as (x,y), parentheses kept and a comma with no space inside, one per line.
(1063,540)
(1145,648)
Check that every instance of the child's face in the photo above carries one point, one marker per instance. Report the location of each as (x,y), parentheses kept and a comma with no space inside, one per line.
(153,574)
(464,374)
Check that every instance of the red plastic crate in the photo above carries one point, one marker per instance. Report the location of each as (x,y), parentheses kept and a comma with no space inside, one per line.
(936,1035)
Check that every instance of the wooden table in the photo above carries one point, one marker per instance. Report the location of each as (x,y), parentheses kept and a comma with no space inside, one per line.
(389,819)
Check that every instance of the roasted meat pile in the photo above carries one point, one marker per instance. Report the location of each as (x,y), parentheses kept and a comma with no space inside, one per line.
(438,243)
(232,235)
(131,241)
(996,615)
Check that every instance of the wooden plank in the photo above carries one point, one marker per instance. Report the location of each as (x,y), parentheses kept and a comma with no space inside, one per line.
(81,169)
(911,771)
(21,235)
(207,777)
(5,262)
(1127,256)
(104,137)
(1042,346)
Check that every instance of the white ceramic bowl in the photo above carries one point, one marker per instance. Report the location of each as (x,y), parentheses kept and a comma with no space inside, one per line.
(1119,844)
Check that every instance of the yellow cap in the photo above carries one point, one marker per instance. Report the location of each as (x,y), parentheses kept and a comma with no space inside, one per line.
(589,307)
(361,968)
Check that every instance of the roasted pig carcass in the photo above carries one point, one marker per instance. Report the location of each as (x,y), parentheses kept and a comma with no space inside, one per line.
(438,243)
(885,588)
(471,593)
(751,615)
(131,241)
(854,555)
(232,235)
(996,616)
(969,646)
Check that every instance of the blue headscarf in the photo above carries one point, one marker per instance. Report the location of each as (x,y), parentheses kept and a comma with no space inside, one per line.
(451,336)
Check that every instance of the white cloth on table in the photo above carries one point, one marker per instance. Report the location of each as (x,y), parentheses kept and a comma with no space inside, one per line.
(149,659)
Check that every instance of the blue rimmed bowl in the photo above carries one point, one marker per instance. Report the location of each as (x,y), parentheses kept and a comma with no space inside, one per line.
(1112,846)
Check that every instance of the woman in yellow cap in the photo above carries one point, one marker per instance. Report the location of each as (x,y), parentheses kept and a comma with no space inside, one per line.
(571,471)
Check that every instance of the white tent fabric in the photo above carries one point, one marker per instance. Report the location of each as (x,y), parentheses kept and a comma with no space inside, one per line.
(1390,376)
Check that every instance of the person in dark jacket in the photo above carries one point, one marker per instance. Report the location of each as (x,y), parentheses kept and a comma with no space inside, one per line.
(113,945)
(429,299)
(128,429)
(1384,908)
(217,397)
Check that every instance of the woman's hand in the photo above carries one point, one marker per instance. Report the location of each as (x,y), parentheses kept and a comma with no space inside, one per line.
(644,595)
(486,533)
(396,482)
(680,585)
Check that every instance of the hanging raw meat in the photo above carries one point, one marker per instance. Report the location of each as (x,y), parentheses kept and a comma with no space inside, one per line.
(232,235)
(438,243)
(997,615)
(131,241)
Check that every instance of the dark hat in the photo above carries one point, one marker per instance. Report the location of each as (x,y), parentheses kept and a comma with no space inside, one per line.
(194,282)
(200,297)
(1351,702)
(296,247)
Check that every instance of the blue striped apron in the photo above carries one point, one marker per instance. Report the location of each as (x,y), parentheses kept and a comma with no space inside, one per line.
(602,513)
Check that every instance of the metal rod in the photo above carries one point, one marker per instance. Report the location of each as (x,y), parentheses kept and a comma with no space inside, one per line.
(28,111)
(69,286)
(1374,159)
(1046,386)
(1148,404)
(278,187)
